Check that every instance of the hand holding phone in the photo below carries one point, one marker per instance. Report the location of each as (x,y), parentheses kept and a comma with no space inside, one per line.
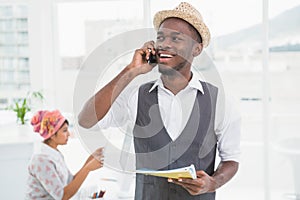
(152,58)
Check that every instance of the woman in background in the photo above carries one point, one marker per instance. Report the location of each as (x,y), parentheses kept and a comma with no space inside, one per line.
(49,177)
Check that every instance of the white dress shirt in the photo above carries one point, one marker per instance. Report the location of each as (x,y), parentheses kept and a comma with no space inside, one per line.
(177,108)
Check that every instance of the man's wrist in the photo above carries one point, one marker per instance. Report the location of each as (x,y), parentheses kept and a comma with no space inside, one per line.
(132,71)
(213,186)
(216,181)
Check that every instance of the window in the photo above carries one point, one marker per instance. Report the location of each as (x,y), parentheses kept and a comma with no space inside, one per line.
(284,65)
(83,25)
(14,60)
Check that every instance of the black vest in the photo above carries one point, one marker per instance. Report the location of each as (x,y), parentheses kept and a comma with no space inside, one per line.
(155,149)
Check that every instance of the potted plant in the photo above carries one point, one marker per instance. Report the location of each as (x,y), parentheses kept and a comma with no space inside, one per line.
(24,105)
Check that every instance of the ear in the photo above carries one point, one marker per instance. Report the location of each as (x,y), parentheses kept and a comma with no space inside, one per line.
(197,49)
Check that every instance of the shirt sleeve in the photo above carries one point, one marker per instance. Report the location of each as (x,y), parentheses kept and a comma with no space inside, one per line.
(228,130)
(122,111)
(70,177)
(45,171)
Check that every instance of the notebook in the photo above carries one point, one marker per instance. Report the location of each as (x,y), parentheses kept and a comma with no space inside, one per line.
(184,172)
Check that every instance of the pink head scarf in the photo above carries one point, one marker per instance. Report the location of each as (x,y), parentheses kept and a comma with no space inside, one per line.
(47,123)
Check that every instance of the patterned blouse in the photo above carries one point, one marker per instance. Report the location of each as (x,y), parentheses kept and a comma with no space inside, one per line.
(48,174)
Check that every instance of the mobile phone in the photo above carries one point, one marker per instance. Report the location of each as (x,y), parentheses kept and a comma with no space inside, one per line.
(152,59)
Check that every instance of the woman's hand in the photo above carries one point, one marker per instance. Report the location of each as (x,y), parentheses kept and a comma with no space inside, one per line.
(96,160)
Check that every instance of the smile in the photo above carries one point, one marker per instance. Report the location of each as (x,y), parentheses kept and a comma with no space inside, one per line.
(163,55)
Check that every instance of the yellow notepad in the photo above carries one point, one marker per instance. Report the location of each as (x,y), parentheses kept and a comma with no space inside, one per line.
(184,172)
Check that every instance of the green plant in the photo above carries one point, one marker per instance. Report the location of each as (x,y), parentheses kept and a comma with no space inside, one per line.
(23,105)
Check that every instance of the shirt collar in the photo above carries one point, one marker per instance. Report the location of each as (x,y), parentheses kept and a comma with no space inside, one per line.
(49,150)
(194,84)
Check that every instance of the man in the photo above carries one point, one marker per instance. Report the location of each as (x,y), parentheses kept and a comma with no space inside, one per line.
(177,118)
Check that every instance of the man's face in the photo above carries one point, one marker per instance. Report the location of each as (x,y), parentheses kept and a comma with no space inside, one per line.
(175,46)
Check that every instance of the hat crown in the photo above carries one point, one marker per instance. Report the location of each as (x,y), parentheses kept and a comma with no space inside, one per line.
(189,9)
(188,13)
(47,123)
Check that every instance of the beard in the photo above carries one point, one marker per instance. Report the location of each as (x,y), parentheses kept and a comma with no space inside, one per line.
(169,71)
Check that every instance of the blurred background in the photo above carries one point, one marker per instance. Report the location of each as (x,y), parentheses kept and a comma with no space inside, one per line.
(255,47)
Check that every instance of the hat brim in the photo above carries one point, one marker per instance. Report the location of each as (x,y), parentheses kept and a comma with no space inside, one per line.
(57,127)
(200,26)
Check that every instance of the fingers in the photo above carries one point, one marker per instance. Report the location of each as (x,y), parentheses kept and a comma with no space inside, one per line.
(193,186)
(149,48)
(142,55)
(186,181)
(149,45)
(101,162)
(99,151)
(99,154)
(192,190)
(140,61)
(200,173)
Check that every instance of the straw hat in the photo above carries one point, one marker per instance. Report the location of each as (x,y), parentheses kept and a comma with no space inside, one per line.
(189,14)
